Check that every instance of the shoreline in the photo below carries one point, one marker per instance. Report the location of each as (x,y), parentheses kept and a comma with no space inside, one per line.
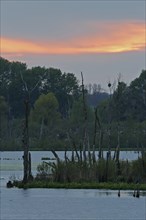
(104,149)
(84,185)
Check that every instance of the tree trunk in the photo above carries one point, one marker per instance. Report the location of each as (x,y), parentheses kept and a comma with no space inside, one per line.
(26,145)
(85,120)
(100,154)
(29,173)
(94,136)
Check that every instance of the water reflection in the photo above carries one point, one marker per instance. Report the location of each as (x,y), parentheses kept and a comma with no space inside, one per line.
(61,204)
(113,193)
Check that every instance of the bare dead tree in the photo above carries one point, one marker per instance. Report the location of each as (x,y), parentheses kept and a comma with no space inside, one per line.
(72,142)
(25,140)
(100,154)
(97,123)
(95,134)
(117,151)
(111,88)
(85,119)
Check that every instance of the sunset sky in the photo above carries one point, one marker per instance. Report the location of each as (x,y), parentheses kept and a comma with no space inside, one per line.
(99,38)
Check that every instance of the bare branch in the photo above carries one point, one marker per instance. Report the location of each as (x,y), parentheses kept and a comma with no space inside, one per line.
(25,84)
(35,86)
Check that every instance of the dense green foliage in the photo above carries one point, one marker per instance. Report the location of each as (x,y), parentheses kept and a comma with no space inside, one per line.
(56,110)
(14,77)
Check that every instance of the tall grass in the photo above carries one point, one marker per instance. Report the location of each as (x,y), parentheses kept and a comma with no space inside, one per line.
(102,170)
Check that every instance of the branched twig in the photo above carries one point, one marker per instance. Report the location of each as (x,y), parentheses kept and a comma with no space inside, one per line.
(25,84)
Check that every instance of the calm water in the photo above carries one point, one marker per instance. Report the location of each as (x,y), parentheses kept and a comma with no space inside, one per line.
(61,204)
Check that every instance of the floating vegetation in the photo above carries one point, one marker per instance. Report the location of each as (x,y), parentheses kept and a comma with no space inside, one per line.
(47,158)
(7,158)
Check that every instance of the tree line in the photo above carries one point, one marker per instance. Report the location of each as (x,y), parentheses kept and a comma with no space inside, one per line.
(57,110)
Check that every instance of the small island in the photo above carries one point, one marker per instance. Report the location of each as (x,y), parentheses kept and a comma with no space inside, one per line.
(54,112)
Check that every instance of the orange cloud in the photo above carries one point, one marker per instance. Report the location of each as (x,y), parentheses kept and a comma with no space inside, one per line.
(105,38)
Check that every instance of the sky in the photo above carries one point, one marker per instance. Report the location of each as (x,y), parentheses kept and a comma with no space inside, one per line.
(102,39)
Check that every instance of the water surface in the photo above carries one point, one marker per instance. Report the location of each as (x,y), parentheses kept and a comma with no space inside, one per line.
(53,204)
(62,204)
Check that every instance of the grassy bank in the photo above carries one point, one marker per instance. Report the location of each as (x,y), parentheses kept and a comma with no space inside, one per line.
(74,185)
